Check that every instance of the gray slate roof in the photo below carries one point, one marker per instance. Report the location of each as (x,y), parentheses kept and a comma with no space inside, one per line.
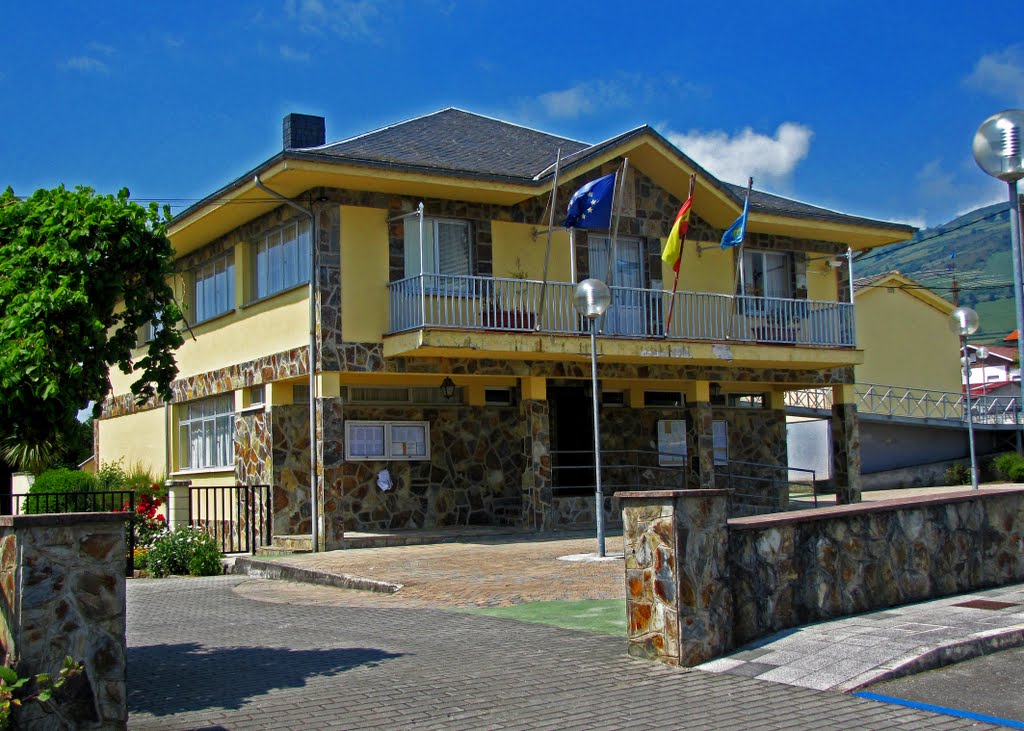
(457,141)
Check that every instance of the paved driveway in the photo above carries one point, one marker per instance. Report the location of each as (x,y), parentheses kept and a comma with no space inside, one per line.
(217,653)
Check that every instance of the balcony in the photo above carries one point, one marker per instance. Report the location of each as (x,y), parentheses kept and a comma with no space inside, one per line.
(433,301)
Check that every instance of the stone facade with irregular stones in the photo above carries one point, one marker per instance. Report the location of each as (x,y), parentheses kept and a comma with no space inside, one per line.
(699,583)
(254,447)
(63,584)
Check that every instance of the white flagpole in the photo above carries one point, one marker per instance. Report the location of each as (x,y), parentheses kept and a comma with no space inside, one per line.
(620,184)
(547,252)
(572,255)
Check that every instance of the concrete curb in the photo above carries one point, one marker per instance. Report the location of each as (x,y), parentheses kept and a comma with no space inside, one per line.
(937,657)
(264,569)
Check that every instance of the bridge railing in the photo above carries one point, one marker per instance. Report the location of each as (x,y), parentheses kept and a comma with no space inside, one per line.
(914,403)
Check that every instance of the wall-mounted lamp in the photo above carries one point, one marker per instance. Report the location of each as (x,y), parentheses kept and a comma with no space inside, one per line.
(448,388)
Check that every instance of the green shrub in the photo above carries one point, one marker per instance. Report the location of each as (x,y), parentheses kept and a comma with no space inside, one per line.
(137,478)
(958,474)
(1004,464)
(61,481)
(1016,472)
(184,551)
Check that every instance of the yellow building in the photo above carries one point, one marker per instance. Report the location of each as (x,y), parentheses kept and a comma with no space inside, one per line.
(450,377)
(903,329)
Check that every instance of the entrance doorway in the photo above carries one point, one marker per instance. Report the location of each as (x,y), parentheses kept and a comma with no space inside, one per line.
(572,440)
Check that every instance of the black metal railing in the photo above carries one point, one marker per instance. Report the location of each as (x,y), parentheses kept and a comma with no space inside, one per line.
(105,501)
(239,517)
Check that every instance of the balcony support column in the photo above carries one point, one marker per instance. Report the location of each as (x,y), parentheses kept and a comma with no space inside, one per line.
(845,426)
(700,473)
(538,503)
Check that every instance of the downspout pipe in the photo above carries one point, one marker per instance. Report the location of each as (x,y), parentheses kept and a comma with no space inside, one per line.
(314,482)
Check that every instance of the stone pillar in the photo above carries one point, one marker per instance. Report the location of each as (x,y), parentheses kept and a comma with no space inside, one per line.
(63,588)
(845,426)
(700,450)
(678,602)
(537,496)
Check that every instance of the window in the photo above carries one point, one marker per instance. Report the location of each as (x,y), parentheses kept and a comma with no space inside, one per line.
(720,442)
(446,247)
(213,291)
(745,400)
(256,395)
(147,333)
(768,273)
(672,442)
(206,433)
(387,440)
(282,259)
(664,398)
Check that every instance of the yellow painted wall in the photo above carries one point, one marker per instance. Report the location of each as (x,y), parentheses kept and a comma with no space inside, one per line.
(136,438)
(710,271)
(515,250)
(906,342)
(364,271)
(269,326)
(822,281)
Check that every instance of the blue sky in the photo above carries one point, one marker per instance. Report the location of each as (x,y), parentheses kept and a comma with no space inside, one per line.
(865,107)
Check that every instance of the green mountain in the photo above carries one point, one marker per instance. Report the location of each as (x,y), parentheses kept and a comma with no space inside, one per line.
(974,251)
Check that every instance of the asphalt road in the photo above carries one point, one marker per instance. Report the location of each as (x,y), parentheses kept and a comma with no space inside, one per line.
(991,685)
(203,654)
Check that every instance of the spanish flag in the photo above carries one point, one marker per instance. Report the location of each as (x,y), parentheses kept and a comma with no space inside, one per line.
(673,252)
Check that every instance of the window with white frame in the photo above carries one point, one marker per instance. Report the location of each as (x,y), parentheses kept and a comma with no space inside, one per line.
(148,332)
(672,442)
(206,433)
(387,440)
(768,273)
(720,442)
(282,259)
(213,289)
(446,247)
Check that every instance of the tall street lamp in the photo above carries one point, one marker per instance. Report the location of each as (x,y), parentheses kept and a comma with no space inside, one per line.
(998,151)
(592,300)
(963,321)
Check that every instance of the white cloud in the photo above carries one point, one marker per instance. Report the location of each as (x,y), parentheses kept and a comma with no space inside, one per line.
(767,159)
(1000,74)
(345,18)
(290,54)
(101,48)
(86,64)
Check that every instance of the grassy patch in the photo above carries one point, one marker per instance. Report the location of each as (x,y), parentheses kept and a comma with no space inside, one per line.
(602,616)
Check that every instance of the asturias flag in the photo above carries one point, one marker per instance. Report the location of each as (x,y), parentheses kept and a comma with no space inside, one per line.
(673,252)
(591,205)
(733,235)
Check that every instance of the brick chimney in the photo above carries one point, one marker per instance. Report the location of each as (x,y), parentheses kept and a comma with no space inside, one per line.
(303,130)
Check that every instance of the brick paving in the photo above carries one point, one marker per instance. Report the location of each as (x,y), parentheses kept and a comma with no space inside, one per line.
(234,652)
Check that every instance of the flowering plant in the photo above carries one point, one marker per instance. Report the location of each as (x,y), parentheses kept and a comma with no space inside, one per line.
(149,524)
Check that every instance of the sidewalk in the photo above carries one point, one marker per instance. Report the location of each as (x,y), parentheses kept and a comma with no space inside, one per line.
(486,571)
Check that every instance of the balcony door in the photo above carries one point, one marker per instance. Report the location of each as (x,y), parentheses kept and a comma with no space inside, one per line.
(628,312)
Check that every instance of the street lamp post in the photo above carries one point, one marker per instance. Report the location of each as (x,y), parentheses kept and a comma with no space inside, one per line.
(963,321)
(997,150)
(592,300)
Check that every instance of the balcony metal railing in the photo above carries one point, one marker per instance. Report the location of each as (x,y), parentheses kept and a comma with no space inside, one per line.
(487,303)
(914,403)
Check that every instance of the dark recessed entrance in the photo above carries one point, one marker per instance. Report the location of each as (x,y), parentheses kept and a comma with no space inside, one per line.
(572,440)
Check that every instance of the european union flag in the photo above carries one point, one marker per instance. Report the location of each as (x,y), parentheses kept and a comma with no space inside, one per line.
(591,205)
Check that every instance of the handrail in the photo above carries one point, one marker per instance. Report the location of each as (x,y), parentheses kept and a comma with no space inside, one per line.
(492,303)
(914,403)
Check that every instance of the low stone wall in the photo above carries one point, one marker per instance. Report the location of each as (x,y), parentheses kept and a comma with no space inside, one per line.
(698,585)
(794,568)
(63,589)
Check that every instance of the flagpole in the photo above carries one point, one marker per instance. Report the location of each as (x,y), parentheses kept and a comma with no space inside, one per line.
(572,255)
(547,252)
(675,282)
(616,215)
(739,249)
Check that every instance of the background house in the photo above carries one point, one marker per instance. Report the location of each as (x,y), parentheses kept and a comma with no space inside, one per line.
(449,378)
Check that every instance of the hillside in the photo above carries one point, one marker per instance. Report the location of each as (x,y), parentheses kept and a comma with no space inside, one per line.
(975,249)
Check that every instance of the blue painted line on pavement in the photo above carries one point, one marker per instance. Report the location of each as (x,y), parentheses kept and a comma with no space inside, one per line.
(942,709)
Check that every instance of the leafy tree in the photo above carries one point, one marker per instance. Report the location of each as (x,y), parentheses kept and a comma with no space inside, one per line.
(81,274)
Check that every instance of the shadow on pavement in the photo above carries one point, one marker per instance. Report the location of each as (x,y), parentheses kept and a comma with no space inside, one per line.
(168,679)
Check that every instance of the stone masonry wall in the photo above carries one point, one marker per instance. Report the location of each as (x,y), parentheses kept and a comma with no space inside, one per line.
(63,587)
(831,562)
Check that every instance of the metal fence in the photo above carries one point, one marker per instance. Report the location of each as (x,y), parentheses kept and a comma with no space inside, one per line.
(489,303)
(914,403)
(106,501)
(239,517)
